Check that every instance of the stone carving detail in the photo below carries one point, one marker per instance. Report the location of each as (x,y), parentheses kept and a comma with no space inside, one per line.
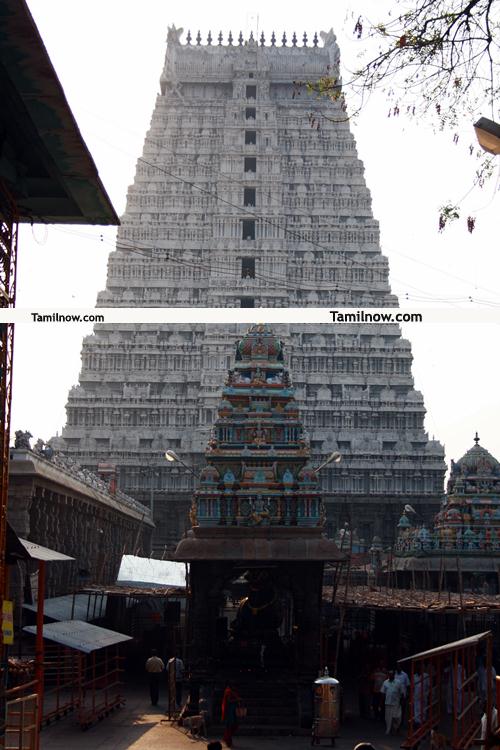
(174,35)
(328,38)
(22,439)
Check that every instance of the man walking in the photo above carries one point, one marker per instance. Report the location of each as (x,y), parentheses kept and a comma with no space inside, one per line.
(154,668)
(403,679)
(176,665)
(377,678)
(393,692)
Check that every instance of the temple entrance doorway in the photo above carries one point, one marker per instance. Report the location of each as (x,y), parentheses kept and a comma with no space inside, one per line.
(257,628)
(255,615)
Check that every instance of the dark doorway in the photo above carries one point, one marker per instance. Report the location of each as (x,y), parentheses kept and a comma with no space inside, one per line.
(250,164)
(249,196)
(248,268)
(248,229)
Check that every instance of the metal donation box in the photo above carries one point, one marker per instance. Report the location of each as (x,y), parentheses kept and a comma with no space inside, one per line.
(326,708)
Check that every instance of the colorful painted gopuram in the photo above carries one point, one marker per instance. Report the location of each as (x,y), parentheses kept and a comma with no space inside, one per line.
(256,473)
(256,546)
(467,526)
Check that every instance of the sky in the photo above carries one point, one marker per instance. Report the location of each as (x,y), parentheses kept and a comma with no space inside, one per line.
(109,56)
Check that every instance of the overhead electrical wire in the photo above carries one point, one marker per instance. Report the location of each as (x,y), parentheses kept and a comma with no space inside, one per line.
(146,252)
(335,286)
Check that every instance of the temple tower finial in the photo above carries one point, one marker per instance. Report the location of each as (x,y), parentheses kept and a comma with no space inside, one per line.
(476,438)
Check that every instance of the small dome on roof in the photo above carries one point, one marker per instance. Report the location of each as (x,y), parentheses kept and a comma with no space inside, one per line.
(478,461)
(229,477)
(404,522)
(209,475)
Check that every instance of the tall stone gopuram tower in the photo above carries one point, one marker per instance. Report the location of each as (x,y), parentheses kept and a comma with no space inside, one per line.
(238,202)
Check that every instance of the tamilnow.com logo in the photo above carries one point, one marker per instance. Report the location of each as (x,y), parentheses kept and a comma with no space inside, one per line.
(362,316)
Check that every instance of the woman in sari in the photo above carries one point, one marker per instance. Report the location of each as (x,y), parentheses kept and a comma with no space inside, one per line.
(230,702)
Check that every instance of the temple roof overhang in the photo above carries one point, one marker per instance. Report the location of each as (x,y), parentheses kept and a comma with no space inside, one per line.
(44,161)
(260,545)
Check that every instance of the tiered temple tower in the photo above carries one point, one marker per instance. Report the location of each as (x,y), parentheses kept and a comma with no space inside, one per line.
(256,455)
(468,522)
(257,517)
(238,201)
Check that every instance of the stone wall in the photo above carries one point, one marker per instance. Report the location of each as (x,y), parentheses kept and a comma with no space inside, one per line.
(51,507)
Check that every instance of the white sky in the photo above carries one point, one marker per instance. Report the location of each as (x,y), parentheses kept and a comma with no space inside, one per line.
(109,55)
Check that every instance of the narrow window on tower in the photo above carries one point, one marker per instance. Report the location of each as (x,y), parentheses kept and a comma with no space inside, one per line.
(247,302)
(250,137)
(248,268)
(250,113)
(251,92)
(248,229)
(249,196)
(250,164)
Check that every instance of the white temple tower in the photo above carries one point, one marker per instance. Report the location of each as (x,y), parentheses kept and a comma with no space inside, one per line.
(238,202)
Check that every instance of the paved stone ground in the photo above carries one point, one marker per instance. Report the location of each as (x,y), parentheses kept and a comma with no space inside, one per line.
(140,726)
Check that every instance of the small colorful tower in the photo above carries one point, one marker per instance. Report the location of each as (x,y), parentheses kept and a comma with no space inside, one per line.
(256,473)
(467,526)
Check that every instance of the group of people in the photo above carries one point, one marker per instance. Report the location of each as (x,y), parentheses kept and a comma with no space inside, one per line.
(231,701)
(155,668)
(389,693)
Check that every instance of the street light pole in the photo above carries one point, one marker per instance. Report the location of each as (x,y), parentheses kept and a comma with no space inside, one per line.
(172,456)
(334,457)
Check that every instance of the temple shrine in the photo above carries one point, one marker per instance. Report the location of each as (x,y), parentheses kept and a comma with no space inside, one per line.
(464,539)
(256,545)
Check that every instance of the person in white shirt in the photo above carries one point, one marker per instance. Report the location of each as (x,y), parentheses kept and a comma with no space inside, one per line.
(404,681)
(178,665)
(154,667)
(483,680)
(493,721)
(393,692)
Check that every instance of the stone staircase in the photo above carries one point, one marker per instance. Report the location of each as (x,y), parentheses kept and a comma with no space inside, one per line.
(272,708)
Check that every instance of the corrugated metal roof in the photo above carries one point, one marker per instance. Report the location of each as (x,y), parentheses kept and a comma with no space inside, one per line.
(134,569)
(86,607)
(37,552)
(82,636)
